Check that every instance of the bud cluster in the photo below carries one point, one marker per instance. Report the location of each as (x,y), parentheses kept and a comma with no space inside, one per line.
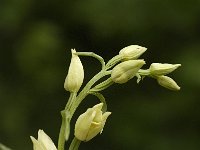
(130,66)
(159,71)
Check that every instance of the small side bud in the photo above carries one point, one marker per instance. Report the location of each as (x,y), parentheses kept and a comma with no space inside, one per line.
(126,70)
(158,69)
(75,75)
(168,83)
(132,52)
(90,123)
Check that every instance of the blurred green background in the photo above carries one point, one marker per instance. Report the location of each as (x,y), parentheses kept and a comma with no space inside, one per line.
(35,41)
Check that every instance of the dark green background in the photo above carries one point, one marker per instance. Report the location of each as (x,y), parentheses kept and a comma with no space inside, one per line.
(35,41)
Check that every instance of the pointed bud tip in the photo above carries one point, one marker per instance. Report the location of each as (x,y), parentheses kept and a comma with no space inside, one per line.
(98,106)
(141,61)
(32,138)
(73,50)
(40,131)
(106,115)
(177,65)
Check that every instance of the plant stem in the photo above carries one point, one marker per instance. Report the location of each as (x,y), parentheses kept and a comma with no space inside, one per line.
(66,116)
(75,144)
(144,72)
(86,89)
(61,140)
(99,58)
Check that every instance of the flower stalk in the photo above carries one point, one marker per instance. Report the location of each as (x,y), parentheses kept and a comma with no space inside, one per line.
(75,144)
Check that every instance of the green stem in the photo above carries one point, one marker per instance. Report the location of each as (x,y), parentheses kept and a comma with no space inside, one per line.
(101,98)
(61,140)
(72,97)
(86,89)
(144,72)
(66,116)
(91,54)
(75,144)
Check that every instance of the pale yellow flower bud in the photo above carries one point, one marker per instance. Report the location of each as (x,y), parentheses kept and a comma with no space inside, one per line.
(43,142)
(162,69)
(132,52)
(75,75)
(90,123)
(168,83)
(126,70)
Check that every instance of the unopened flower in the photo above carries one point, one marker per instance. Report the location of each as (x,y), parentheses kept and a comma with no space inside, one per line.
(43,142)
(75,75)
(126,70)
(162,69)
(90,123)
(132,52)
(168,83)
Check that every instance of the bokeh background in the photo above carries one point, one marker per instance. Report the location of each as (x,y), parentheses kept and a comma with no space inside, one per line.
(35,41)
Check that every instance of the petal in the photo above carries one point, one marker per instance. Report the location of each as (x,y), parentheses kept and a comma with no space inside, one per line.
(36,144)
(98,116)
(83,124)
(105,116)
(46,141)
(95,128)
(98,106)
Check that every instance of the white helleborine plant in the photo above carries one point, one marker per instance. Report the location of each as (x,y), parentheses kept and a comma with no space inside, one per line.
(43,142)
(75,75)
(120,69)
(90,123)
(162,69)
(132,52)
(126,70)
